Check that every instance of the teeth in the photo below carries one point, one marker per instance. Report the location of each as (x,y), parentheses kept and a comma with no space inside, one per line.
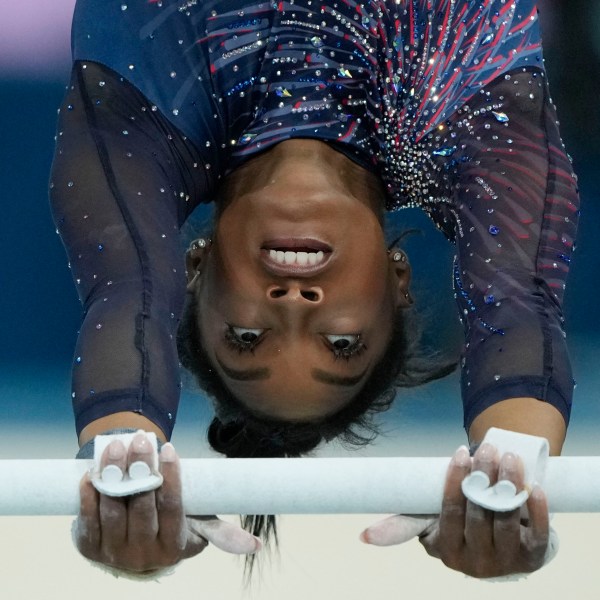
(297,258)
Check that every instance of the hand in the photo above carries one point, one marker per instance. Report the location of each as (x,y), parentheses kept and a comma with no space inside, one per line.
(148,531)
(471,539)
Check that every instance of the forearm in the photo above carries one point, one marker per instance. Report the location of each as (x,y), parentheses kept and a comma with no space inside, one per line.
(524,415)
(115,169)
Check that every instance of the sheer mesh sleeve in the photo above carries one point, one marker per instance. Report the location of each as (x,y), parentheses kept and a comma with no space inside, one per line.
(513,211)
(123,181)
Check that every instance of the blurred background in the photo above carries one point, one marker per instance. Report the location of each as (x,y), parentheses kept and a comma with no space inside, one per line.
(41,314)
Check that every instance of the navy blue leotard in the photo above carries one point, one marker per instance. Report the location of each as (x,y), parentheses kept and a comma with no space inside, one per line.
(447,101)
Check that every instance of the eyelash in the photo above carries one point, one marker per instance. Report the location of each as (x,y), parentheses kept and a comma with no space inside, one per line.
(355,349)
(235,343)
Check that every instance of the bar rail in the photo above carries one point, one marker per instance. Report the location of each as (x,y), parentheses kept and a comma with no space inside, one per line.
(292,486)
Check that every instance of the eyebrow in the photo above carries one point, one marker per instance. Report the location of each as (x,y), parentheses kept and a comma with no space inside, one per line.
(246,375)
(332,379)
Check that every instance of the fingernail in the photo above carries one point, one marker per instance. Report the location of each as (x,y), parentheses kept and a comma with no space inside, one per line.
(167,453)
(116,450)
(364,537)
(140,444)
(462,457)
(258,544)
(486,452)
(510,462)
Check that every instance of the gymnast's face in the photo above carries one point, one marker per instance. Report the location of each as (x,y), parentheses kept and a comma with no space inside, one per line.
(296,298)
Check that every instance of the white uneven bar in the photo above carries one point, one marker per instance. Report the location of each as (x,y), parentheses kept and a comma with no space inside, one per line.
(291,486)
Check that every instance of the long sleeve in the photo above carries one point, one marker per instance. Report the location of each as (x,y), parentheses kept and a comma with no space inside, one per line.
(123,181)
(512,209)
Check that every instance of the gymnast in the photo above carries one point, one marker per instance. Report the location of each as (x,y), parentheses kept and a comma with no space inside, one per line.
(304,123)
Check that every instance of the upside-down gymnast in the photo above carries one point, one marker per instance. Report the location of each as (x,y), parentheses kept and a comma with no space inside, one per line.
(304,122)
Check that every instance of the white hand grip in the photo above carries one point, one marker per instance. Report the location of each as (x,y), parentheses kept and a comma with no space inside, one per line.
(111,481)
(503,496)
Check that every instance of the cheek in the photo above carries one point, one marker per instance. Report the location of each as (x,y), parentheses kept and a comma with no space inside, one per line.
(227,300)
(376,303)
(230,278)
(211,323)
(371,283)
(234,273)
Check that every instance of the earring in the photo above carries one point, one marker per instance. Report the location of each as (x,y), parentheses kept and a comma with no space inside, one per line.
(199,243)
(399,256)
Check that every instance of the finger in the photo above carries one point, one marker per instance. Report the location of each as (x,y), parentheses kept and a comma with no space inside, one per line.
(479,522)
(486,459)
(452,517)
(113,511)
(113,521)
(141,450)
(511,469)
(114,457)
(87,530)
(537,534)
(397,530)
(195,543)
(226,536)
(172,526)
(142,517)
(507,525)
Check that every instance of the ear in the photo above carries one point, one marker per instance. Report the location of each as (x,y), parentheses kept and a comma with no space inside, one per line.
(400,274)
(195,258)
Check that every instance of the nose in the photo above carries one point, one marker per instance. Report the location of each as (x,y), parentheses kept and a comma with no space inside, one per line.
(294,292)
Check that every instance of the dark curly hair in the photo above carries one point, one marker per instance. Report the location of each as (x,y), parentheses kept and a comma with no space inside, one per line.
(245,434)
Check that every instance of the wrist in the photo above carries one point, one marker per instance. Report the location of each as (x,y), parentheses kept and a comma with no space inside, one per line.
(523,415)
(121,420)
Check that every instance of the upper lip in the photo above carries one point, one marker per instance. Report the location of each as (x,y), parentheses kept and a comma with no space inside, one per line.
(295,245)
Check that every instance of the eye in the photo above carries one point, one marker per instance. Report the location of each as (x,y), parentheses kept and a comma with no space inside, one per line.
(346,345)
(243,339)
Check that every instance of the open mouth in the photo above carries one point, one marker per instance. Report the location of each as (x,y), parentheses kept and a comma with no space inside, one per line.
(295,256)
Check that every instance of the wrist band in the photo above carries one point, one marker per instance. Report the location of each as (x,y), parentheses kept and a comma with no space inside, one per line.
(87,450)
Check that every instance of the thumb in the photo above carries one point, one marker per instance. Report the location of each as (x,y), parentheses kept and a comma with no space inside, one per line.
(226,536)
(397,529)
